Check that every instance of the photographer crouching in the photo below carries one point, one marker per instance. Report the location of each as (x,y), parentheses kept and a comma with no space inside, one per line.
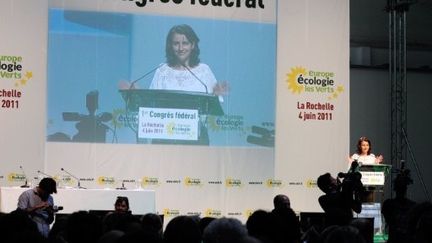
(341,198)
(39,204)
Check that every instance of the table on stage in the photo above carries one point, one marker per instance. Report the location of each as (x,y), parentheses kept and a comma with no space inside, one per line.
(72,200)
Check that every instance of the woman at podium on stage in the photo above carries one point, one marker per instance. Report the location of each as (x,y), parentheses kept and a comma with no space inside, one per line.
(183,69)
(364,155)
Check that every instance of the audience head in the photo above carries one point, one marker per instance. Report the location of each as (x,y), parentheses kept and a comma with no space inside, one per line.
(141,236)
(121,205)
(47,186)
(152,222)
(83,227)
(224,230)
(419,221)
(326,183)
(121,221)
(18,227)
(112,236)
(261,225)
(343,234)
(281,201)
(204,222)
(365,226)
(182,229)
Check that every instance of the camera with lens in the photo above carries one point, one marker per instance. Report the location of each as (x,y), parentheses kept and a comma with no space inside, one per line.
(54,208)
(351,187)
(403,178)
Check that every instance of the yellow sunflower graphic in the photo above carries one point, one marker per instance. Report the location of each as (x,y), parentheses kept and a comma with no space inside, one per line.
(292,79)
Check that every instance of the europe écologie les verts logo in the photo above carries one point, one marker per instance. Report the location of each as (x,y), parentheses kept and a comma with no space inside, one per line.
(300,80)
(12,69)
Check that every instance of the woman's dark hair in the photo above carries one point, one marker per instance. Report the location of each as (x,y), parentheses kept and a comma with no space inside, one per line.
(119,200)
(363,139)
(191,36)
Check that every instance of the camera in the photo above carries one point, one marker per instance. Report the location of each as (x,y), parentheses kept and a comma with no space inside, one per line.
(351,187)
(54,208)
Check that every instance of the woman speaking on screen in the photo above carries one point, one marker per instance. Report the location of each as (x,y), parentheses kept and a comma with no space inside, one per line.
(183,69)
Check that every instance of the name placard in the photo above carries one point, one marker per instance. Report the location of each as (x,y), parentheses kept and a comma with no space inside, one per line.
(372,178)
(165,123)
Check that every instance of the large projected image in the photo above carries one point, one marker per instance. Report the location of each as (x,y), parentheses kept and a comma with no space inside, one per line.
(141,79)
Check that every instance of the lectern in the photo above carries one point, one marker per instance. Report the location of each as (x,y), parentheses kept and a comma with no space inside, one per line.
(205,104)
(373,179)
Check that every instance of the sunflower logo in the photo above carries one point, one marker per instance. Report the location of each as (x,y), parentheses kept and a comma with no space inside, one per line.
(116,114)
(211,122)
(104,180)
(170,128)
(292,79)
(212,213)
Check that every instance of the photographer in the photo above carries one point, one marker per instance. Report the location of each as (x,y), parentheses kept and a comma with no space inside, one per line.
(340,198)
(352,188)
(39,204)
(395,210)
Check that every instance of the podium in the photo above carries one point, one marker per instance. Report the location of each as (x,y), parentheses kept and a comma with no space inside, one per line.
(373,179)
(205,104)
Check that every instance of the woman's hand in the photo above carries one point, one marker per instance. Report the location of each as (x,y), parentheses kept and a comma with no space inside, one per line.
(379,159)
(123,84)
(221,88)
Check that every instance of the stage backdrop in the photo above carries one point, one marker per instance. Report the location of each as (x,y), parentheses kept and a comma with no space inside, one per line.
(76,77)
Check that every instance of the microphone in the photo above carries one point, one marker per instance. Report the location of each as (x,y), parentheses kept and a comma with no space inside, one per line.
(25,177)
(132,85)
(76,178)
(40,172)
(193,74)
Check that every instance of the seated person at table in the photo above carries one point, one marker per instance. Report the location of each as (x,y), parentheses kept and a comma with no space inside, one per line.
(38,203)
(121,205)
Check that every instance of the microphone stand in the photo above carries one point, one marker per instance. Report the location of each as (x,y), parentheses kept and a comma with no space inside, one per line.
(122,186)
(202,126)
(127,98)
(76,178)
(428,196)
(199,80)
(40,172)
(25,176)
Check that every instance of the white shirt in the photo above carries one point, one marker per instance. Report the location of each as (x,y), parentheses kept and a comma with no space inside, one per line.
(197,79)
(364,159)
